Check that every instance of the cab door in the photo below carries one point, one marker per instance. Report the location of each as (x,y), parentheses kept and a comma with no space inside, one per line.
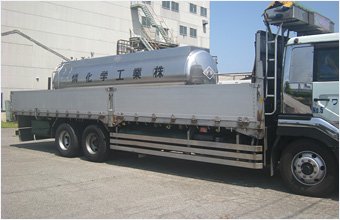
(326,82)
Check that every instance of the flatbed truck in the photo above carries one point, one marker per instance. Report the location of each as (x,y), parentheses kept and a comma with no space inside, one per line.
(169,103)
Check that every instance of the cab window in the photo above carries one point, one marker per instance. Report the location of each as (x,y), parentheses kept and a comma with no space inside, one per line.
(301,64)
(326,63)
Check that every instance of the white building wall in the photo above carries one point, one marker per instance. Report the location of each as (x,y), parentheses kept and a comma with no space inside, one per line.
(185,18)
(75,29)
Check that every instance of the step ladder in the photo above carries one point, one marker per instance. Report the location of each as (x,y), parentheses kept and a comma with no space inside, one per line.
(271,78)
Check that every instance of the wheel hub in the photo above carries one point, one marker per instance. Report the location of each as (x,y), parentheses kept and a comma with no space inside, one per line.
(308,168)
(64,140)
(92,143)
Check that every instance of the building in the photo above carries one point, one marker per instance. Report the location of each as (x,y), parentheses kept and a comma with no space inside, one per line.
(79,30)
(232,78)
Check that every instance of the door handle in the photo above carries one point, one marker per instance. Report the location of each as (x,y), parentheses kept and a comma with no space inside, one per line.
(316,100)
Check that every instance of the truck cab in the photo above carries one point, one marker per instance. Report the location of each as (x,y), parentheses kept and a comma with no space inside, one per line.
(311,77)
(301,77)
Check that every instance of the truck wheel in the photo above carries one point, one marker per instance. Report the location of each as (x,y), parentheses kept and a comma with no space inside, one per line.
(308,168)
(66,139)
(95,144)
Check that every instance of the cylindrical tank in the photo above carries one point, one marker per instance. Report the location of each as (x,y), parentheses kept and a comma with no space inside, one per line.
(187,65)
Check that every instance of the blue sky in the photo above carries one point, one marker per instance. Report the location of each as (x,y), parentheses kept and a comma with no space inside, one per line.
(233,28)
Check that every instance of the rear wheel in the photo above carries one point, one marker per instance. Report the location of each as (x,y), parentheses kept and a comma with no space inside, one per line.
(95,143)
(308,168)
(66,139)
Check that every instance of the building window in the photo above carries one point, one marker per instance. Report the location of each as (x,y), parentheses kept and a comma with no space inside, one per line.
(183,30)
(193,8)
(193,32)
(166,31)
(205,23)
(2,102)
(166,4)
(174,6)
(146,22)
(147,2)
(203,12)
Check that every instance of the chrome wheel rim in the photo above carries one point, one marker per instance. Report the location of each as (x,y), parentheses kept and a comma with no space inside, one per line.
(64,140)
(308,168)
(92,143)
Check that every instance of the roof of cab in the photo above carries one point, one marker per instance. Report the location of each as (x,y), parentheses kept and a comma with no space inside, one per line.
(314,38)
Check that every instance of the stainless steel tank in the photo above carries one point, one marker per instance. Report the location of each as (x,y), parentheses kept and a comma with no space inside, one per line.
(187,65)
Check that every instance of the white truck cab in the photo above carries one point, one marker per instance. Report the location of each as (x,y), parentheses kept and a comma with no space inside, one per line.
(311,77)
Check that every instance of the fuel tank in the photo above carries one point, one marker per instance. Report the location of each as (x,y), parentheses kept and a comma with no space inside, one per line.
(187,65)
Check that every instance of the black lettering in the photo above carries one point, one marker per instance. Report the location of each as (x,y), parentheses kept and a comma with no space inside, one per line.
(137,73)
(334,101)
(120,74)
(88,77)
(103,75)
(75,78)
(158,72)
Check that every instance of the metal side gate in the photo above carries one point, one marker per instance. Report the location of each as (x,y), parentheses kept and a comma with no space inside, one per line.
(248,156)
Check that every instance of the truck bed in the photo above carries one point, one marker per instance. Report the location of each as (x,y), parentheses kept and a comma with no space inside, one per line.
(235,106)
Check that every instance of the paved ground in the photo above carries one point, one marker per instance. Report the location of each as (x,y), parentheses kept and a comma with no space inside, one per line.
(37,183)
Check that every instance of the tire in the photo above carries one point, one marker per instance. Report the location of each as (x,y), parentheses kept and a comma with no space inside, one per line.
(95,144)
(309,168)
(67,142)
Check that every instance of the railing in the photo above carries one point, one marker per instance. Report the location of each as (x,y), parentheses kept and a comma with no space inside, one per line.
(36,42)
(160,25)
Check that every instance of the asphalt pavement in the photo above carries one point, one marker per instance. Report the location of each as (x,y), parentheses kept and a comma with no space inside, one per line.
(38,183)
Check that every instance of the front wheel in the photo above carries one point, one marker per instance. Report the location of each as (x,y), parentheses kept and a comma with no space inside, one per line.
(95,144)
(308,168)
